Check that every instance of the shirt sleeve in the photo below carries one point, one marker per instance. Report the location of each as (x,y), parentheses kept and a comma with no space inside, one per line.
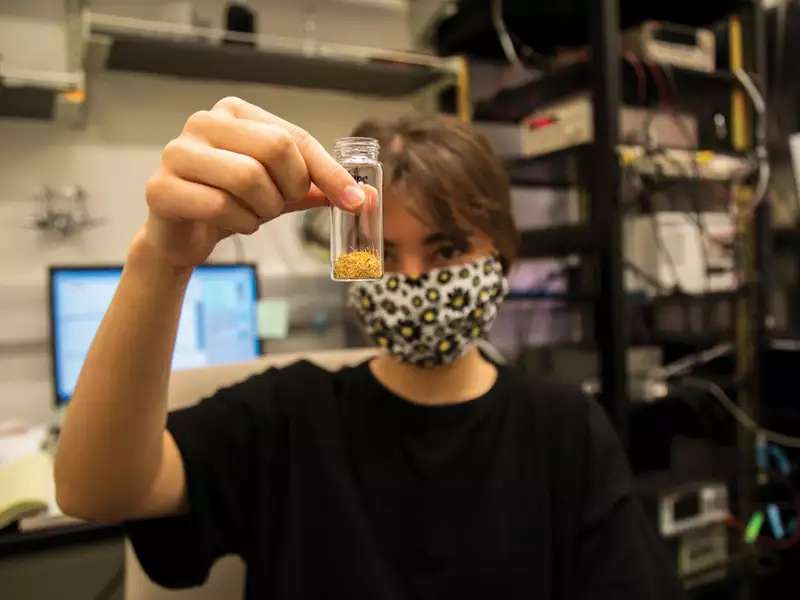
(220,440)
(619,553)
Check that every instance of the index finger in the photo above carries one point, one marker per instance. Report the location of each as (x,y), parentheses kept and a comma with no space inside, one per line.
(329,176)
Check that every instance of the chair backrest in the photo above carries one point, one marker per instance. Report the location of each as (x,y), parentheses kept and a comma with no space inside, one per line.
(187,387)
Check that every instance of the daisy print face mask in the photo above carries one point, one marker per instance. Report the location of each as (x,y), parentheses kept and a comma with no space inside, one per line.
(431,319)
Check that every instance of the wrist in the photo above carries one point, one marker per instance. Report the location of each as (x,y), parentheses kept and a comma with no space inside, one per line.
(142,254)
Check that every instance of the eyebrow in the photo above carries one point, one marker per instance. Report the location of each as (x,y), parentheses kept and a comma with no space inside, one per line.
(460,242)
(435,238)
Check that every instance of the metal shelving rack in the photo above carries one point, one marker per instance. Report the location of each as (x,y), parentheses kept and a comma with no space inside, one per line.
(601,236)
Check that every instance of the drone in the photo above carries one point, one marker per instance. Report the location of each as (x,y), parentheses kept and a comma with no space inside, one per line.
(65,212)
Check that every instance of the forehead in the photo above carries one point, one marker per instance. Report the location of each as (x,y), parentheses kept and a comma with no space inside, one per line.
(402,215)
(409,212)
(408,224)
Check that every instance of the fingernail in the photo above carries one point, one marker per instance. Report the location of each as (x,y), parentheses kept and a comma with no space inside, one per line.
(354,195)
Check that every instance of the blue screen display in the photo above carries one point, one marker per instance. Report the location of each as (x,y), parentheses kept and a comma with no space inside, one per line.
(217,325)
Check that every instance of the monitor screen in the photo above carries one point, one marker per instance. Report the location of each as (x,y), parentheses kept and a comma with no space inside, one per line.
(217,324)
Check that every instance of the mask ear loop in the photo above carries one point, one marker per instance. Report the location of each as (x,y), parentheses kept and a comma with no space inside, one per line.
(485,346)
(489,351)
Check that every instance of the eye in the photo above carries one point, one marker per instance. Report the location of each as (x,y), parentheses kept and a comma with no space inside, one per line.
(447,252)
(388,256)
(448,248)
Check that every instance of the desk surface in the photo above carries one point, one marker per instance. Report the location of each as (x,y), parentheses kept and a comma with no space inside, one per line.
(13,542)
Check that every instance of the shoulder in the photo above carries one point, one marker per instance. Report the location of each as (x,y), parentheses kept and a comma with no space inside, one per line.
(568,420)
(297,389)
(282,375)
(269,402)
(582,451)
(554,404)
(275,389)
(300,376)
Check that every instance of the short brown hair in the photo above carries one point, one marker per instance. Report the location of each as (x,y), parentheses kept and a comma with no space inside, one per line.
(454,172)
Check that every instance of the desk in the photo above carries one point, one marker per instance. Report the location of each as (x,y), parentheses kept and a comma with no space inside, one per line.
(15,542)
(72,561)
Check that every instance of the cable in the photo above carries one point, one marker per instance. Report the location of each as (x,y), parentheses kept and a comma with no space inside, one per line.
(659,240)
(666,100)
(662,248)
(651,112)
(536,59)
(673,85)
(697,219)
(661,84)
(641,94)
(663,101)
(771,543)
(687,363)
(646,277)
(641,76)
(758,102)
(741,416)
(502,34)
(509,42)
(660,74)
(761,153)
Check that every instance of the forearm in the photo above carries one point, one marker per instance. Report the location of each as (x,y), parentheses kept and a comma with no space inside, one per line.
(110,449)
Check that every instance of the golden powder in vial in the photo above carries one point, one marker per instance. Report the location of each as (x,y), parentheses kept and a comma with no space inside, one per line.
(358,264)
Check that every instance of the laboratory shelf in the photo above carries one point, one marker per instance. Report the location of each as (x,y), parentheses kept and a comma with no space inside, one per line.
(42,95)
(568,167)
(193,52)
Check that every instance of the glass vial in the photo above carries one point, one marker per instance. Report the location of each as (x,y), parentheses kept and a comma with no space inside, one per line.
(357,238)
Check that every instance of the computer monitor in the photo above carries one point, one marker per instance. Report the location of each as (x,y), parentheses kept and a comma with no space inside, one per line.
(217,324)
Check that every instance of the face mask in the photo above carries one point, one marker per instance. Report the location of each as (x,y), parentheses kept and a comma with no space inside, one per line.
(434,318)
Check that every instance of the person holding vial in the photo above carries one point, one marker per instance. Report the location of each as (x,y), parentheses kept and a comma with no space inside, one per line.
(429,471)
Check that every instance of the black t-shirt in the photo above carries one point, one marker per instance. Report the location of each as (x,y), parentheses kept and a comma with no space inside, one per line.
(330,486)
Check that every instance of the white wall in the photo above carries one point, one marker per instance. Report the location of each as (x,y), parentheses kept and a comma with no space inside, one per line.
(130,118)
